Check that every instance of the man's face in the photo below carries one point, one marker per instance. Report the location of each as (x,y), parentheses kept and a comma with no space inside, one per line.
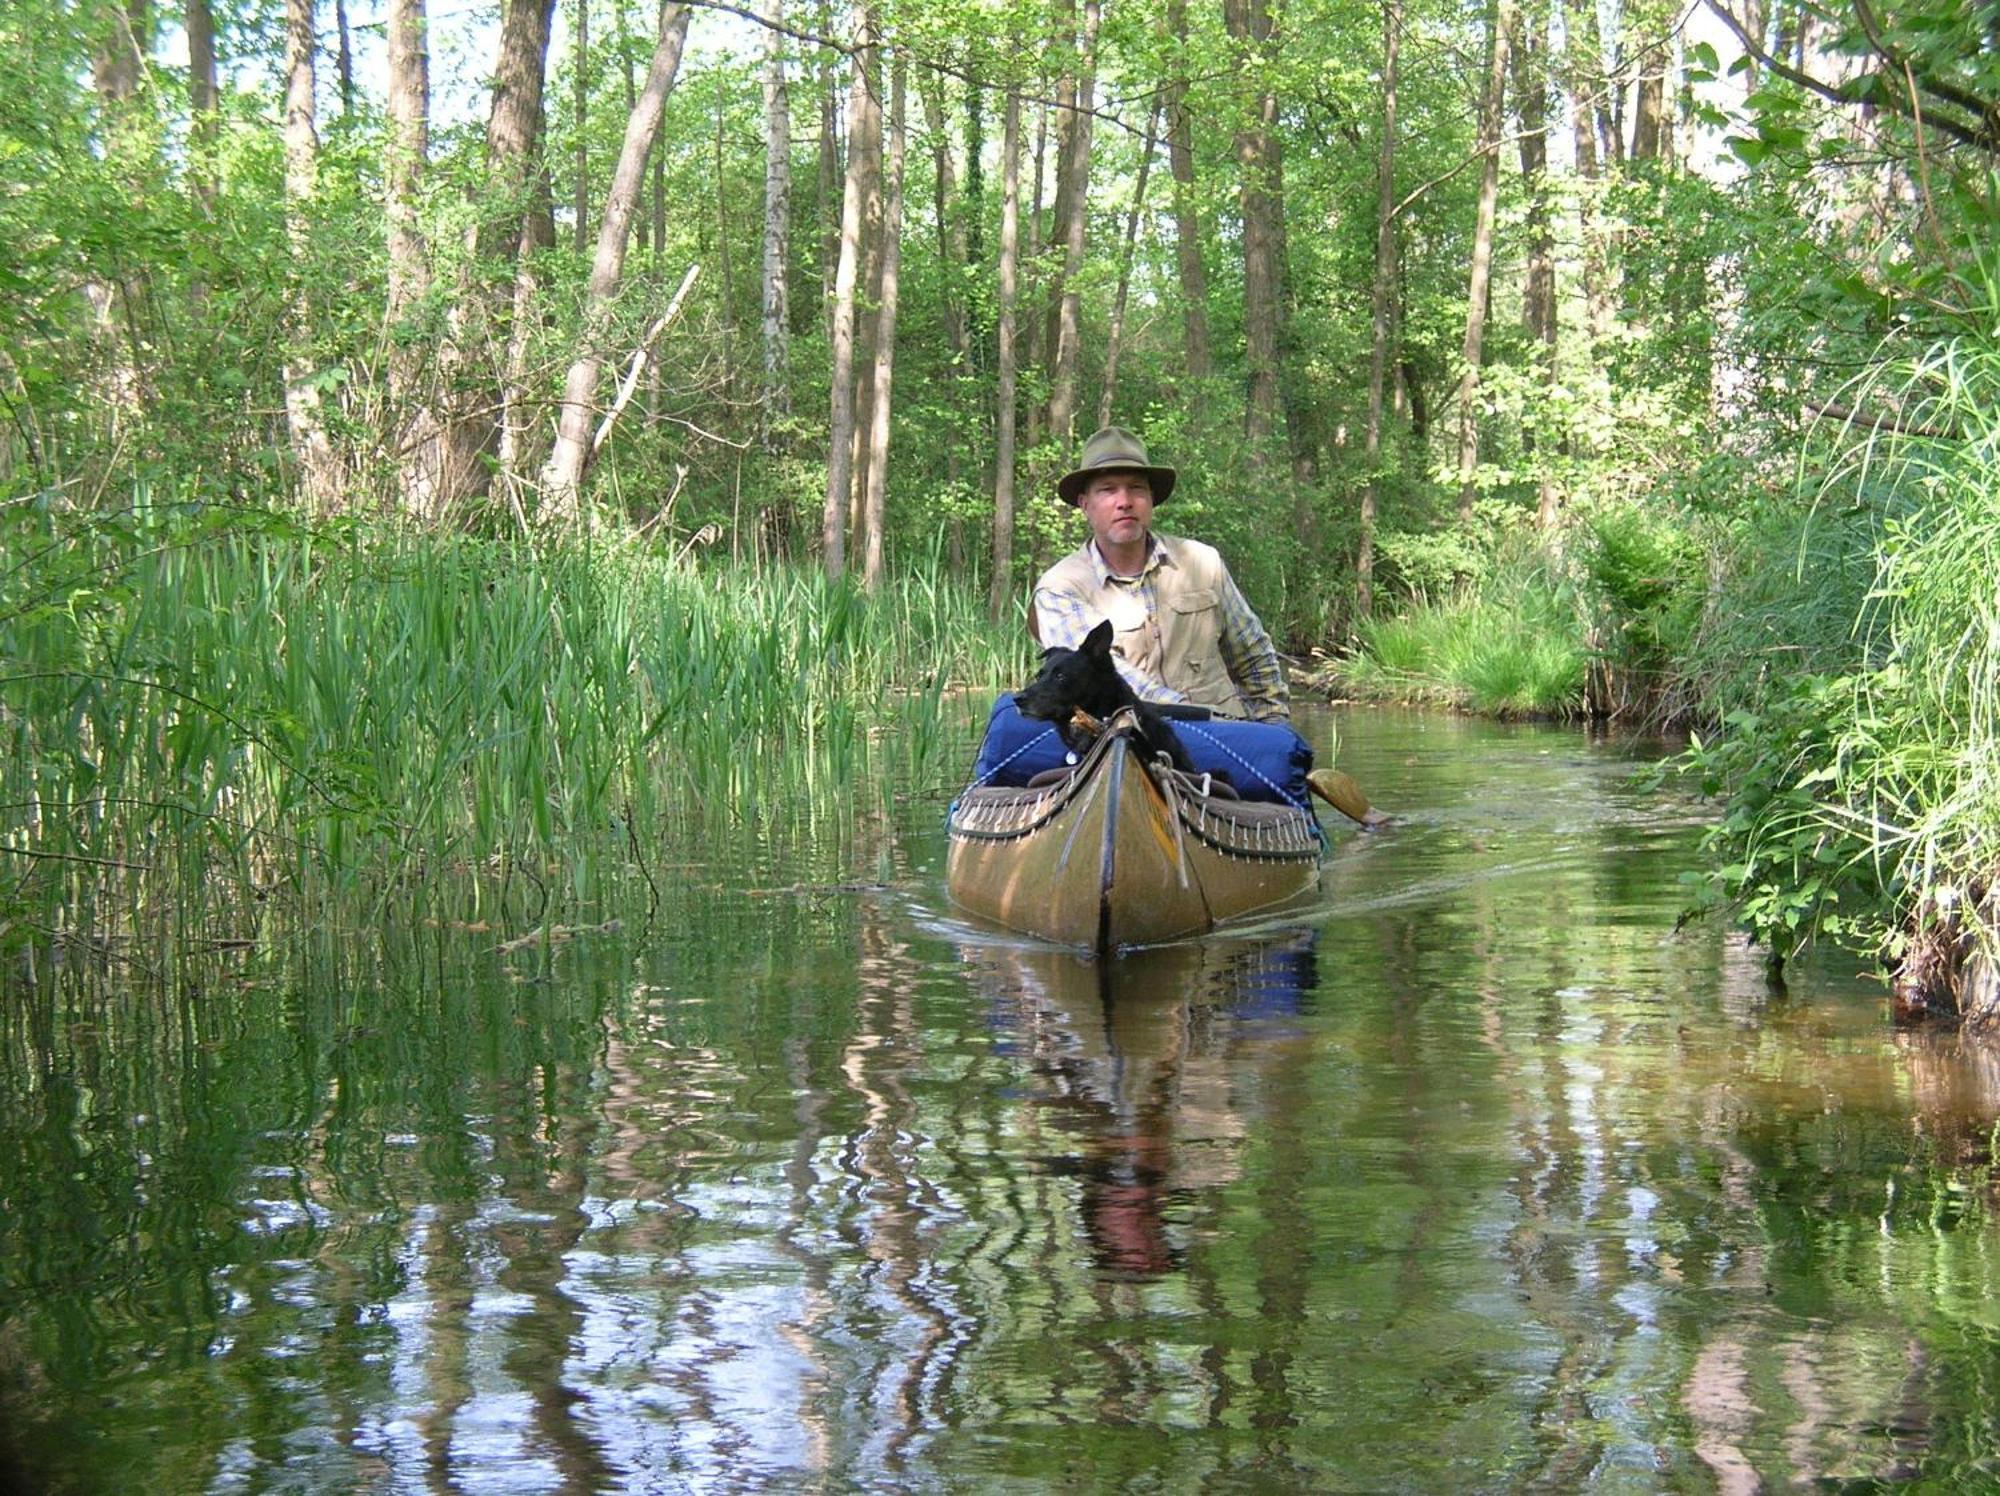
(1119,506)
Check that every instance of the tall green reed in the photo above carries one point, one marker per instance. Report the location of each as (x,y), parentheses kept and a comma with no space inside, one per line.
(204,712)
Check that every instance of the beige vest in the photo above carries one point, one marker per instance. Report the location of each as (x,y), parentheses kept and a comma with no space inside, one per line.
(1179,641)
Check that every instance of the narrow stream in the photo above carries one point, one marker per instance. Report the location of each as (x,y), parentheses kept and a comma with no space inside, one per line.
(1478,1176)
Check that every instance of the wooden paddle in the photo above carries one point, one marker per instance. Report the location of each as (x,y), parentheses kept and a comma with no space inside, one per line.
(1344,795)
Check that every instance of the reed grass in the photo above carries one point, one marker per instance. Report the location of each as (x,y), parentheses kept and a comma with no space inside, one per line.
(204,711)
(1512,647)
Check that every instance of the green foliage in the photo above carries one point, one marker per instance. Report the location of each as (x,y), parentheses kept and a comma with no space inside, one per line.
(1876,786)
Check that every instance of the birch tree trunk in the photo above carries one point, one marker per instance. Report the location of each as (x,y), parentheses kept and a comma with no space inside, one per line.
(406,148)
(1073,221)
(1187,213)
(319,477)
(775,406)
(867,144)
(1114,336)
(840,423)
(1500,22)
(562,476)
(885,340)
(1003,444)
(1379,304)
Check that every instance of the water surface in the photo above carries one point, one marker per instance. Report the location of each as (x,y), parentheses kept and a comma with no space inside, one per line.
(1476,1176)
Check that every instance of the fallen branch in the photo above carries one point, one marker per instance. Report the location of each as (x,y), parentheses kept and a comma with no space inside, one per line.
(640,357)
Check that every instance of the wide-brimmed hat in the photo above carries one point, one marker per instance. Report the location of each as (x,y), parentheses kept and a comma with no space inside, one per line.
(1114,449)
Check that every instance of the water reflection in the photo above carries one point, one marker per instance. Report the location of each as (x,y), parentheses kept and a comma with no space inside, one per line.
(1134,1057)
(1481,1180)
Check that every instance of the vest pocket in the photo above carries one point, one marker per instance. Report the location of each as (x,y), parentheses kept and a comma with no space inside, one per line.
(1194,600)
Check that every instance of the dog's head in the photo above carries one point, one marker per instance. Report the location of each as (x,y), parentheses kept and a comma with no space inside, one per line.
(1072,678)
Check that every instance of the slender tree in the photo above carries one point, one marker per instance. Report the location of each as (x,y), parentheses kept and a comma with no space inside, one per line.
(406,150)
(1187,216)
(1538,305)
(777,228)
(1379,304)
(885,339)
(1500,26)
(1072,224)
(581,62)
(847,277)
(1258,179)
(204,106)
(1003,442)
(1114,337)
(562,475)
(319,477)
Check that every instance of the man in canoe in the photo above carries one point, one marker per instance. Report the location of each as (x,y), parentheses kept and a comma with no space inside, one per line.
(1182,631)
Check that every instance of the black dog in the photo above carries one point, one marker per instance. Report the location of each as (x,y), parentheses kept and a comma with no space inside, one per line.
(1085,680)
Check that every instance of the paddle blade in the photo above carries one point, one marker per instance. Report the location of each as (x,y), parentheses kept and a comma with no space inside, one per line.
(1344,795)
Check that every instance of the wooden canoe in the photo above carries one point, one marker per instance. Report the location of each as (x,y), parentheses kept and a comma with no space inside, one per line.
(1119,852)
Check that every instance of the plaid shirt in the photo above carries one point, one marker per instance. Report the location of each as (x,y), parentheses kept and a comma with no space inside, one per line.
(1063,617)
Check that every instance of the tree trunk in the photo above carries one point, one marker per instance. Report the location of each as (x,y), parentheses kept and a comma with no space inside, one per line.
(204,106)
(885,341)
(482,406)
(1649,103)
(1003,444)
(1379,304)
(847,277)
(775,405)
(1583,83)
(581,62)
(868,290)
(1073,221)
(1114,336)
(406,151)
(830,178)
(1187,215)
(344,59)
(952,253)
(953,257)
(1500,24)
(1028,328)
(1538,305)
(1257,164)
(562,476)
(319,478)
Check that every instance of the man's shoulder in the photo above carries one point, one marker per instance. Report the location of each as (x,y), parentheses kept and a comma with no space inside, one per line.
(1201,561)
(1072,571)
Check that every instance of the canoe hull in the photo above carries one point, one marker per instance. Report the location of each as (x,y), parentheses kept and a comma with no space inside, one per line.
(1123,854)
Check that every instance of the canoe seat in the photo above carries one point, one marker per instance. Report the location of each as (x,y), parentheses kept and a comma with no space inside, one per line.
(1051,776)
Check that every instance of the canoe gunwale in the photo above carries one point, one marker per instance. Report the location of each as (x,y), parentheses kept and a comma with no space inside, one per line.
(1254,830)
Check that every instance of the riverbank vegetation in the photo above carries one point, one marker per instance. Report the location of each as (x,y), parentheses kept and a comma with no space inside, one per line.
(1623,362)
(230,714)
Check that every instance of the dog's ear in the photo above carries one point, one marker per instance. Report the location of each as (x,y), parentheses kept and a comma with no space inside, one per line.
(1098,641)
